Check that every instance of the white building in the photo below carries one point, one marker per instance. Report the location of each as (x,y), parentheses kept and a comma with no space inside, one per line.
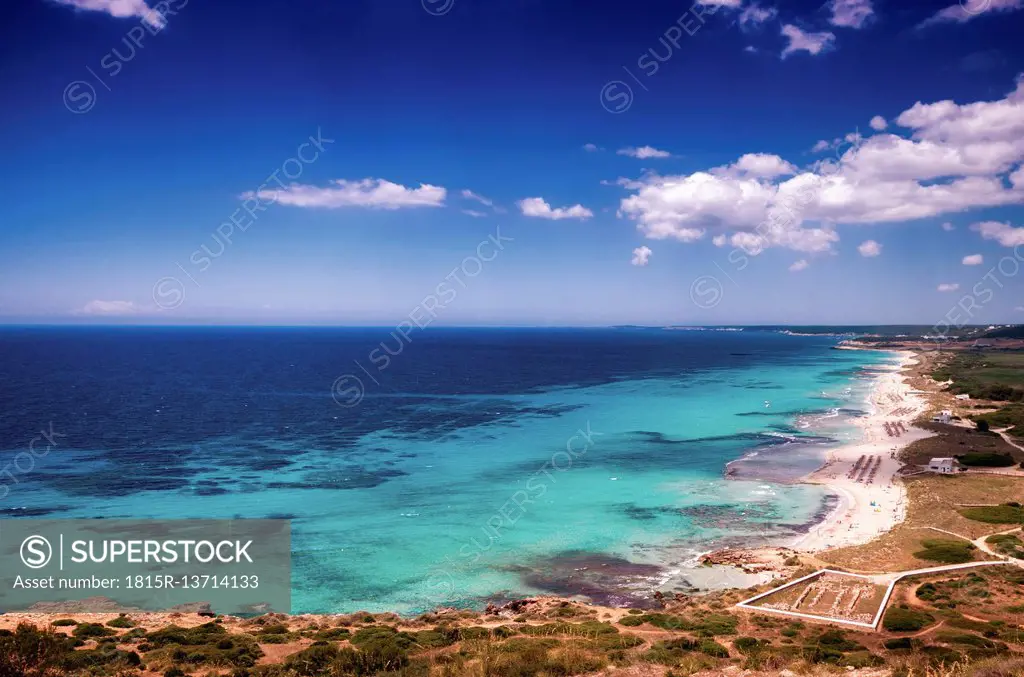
(943,416)
(965,396)
(945,466)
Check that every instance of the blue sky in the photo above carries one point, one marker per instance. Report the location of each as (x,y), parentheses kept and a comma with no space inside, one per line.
(731,162)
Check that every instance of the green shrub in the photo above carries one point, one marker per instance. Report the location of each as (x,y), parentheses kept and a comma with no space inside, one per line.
(898,643)
(669,652)
(837,640)
(90,630)
(995,514)
(313,660)
(64,622)
(898,619)
(207,644)
(713,649)
(121,621)
(987,459)
(328,634)
(946,551)
(30,651)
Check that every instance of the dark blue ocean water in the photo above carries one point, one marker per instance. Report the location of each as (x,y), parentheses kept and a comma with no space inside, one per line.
(393,455)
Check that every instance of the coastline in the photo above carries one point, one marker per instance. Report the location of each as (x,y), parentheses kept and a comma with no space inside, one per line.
(864,474)
(864,510)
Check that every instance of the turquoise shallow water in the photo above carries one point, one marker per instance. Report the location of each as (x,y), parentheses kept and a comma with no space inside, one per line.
(570,484)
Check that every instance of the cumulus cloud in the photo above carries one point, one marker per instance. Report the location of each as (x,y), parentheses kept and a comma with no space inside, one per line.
(947,226)
(368,193)
(1003,233)
(948,287)
(973,260)
(122,9)
(644,152)
(757,165)
(966,10)
(869,248)
(798,266)
(821,146)
(98,307)
(538,208)
(957,159)
(850,13)
(800,41)
(878,123)
(591,147)
(474,213)
(641,255)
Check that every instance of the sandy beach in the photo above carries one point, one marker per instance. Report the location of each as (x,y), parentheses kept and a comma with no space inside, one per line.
(871,499)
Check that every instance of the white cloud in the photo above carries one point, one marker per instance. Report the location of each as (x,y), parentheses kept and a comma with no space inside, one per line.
(878,123)
(474,213)
(821,146)
(368,193)
(799,41)
(957,161)
(108,308)
(973,260)
(798,266)
(538,208)
(1019,309)
(947,226)
(470,195)
(122,9)
(750,49)
(980,122)
(1003,233)
(850,13)
(755,15)
(869,248)
(948,287)
(641,255)
(757,165)
(591,148)
(966,10)
(891,157)
(644,152)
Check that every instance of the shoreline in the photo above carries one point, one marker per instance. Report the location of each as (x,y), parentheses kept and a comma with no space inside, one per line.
(864,510)
(864,474)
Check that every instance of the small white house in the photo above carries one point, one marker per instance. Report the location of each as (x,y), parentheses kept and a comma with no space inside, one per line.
(964,396)
(943,416)
(945,466)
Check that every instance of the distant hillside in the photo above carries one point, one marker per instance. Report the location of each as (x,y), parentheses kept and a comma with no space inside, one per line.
(1016,332)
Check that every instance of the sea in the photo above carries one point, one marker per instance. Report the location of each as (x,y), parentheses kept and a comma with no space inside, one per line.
(449,467)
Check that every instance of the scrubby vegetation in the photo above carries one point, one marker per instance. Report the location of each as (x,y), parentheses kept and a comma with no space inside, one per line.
(985,459)
(946,551)
(1008,513)
(1007,544)
(904,619)
(989,376)
(964,619)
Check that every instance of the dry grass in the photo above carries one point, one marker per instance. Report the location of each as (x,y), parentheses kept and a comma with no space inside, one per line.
(933,502)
